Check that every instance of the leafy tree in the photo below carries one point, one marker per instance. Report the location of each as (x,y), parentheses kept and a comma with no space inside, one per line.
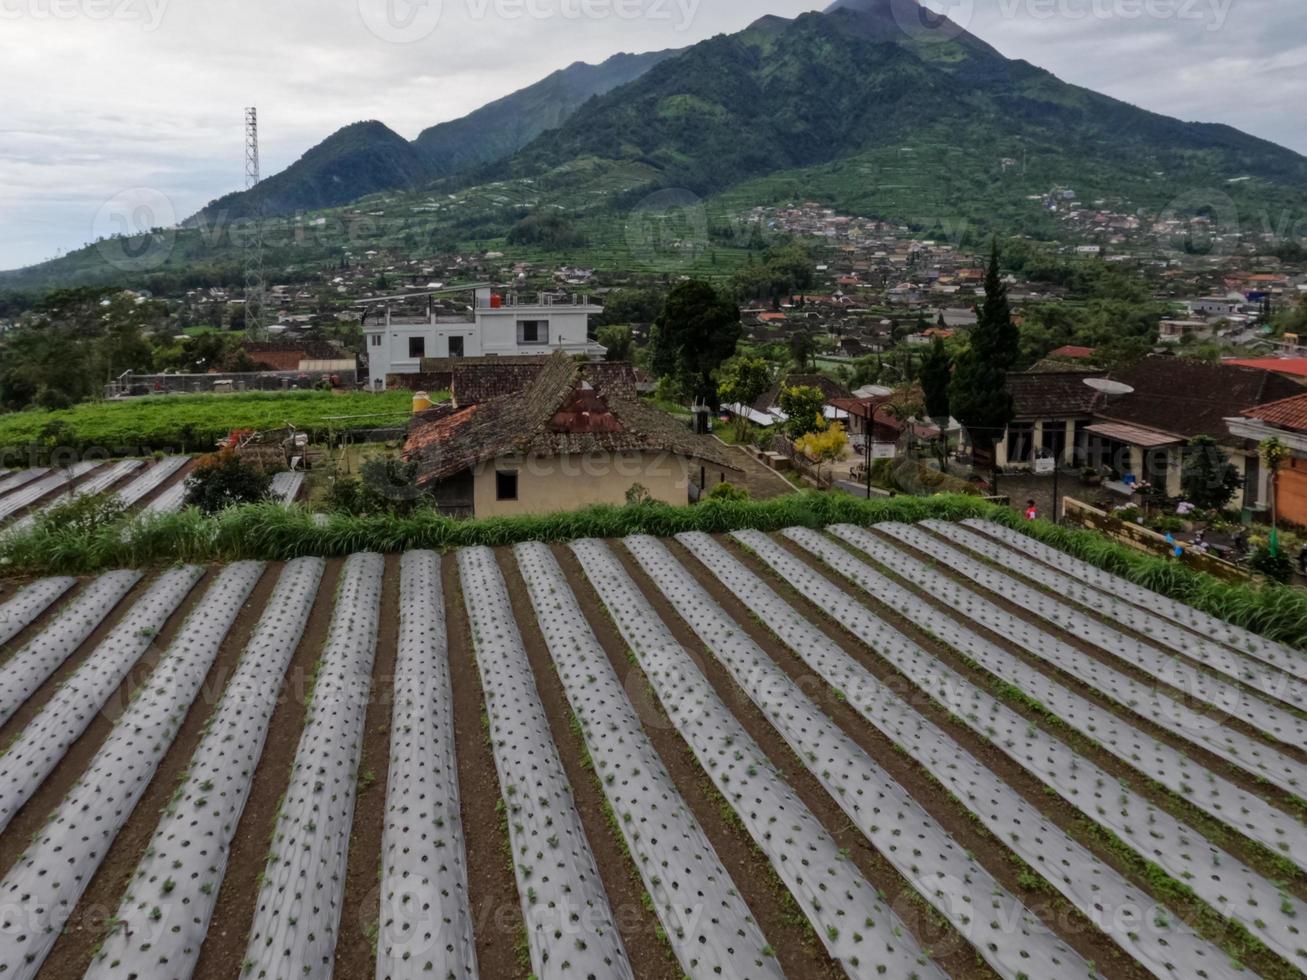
(742,381)
(627,306)
(826,445)
(223,480)
(936,376)
(978,393)
(803,407)
(618,341)
(697,331)
(803,349)
(1209,479)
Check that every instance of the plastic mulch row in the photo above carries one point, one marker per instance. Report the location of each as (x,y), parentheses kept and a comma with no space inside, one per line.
(164,916)
(1235,637)
(40,893)
(425,927)
(1209,731)
(1211,793)
(570,927)
(856,924)
(44,741)
(1271,719)
(32,666)
(707,923)
(1129,917)
(297,914)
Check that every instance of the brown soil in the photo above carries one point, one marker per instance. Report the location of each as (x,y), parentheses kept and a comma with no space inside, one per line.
(56,786)
(361,909)
(1069,923)
(224,946)
(797,948)
(72,952)
(1194,750)
(651,957)
(492,890)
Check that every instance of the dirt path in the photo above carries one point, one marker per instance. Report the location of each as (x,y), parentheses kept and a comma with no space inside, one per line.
(492,891)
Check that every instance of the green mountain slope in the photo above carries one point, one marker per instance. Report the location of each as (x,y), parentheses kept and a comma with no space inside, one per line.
(834,86)
(367,158)
(503,127)
(360,159)
(847,107)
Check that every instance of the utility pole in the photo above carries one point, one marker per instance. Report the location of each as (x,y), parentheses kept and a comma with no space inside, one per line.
(255,289)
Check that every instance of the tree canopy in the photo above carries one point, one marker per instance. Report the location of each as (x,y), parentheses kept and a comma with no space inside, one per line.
(696,333)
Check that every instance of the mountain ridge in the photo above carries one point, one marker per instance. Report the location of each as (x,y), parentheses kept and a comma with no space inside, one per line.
(368,157)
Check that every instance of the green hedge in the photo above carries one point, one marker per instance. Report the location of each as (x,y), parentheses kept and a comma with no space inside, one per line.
(270,532)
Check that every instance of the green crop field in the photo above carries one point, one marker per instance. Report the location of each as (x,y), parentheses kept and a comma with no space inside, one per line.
(192,423)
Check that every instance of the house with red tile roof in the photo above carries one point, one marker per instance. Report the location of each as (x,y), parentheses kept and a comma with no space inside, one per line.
(1285,420)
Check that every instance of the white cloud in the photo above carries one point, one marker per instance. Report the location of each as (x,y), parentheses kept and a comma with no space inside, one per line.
(97,104)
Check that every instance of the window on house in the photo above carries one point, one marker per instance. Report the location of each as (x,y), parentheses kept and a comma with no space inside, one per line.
(455,346)
(533,331)
(417,347)
(376,340)
(506,485)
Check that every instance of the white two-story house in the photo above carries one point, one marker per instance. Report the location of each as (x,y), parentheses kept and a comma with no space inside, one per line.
(498,325)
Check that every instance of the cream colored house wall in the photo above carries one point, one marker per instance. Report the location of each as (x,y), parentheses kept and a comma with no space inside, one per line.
(546,486)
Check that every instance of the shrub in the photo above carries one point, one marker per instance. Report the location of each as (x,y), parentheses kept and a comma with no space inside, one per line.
(1276,567)
(223,480)
(728,491)
(83,515)
(385,486)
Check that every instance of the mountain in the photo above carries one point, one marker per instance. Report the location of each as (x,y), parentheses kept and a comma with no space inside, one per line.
(858,82)
(360,159)
(502,128)
(368,157)
(866,107)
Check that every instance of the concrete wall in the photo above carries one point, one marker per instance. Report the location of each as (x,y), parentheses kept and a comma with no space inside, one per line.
(547,486)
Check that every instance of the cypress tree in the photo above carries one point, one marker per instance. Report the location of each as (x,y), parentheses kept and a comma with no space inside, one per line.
(979,396)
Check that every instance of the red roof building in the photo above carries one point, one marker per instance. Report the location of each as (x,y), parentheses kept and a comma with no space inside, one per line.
(1294,367)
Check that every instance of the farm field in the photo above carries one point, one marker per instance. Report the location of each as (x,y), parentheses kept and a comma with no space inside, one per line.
(193,423)
(904,751)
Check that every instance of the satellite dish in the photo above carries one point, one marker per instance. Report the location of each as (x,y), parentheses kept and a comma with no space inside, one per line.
(1109,387)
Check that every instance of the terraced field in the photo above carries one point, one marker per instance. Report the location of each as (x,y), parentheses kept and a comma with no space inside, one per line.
(900,751)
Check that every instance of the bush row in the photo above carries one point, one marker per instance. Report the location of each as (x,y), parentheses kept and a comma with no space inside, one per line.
(271,532)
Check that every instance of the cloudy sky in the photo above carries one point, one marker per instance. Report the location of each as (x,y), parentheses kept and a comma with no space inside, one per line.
(105,97)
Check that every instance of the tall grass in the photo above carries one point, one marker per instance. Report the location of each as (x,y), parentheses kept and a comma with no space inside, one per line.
(271,532)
